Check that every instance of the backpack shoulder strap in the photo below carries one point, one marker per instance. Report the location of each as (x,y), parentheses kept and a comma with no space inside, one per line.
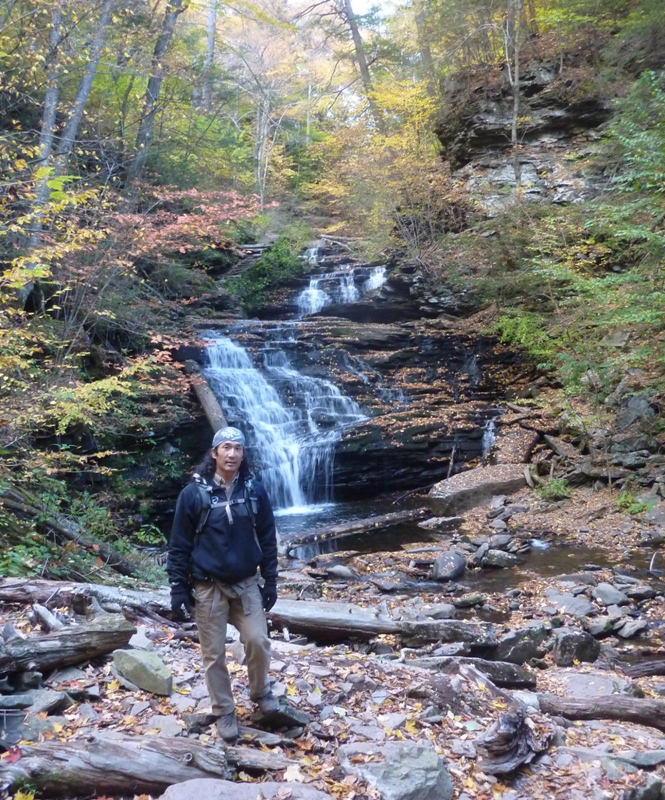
(206,504)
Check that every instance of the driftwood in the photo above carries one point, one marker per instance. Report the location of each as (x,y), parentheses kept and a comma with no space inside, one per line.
(645,669)
(501,673)
(63,528)
(206,396)
(103,766)
(625,709)
(359,526)
(336,621)
(511,742)
(59,593)
(69,645)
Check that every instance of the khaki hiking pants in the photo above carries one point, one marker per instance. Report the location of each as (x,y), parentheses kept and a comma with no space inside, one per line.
(213,611)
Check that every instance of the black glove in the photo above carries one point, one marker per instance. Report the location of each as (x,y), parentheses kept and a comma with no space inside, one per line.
(182,596)
(268,595)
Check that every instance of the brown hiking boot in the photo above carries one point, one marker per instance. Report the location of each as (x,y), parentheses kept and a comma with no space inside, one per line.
(227,727)
(268,704)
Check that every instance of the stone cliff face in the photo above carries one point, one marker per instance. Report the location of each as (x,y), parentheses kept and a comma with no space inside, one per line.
(429,392)
(557,123)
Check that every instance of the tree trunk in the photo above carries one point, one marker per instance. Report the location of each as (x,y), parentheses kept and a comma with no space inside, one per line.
(425,49)
(97,766)
(624,709)
(206,396)
(512,48)
(211,28)
(150,106)
(369,525)
(69,645)
(71,128)
(363,66)
(337,621)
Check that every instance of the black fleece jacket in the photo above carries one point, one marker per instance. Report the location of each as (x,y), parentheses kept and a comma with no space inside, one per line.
(227,551)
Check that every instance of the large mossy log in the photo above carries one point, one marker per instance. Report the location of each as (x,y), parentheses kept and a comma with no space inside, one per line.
(616,707)
(99,766)
(72,644)
(339,621)
(368,525)
(110,598)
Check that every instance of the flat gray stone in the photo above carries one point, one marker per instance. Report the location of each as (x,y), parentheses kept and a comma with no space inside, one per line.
(607,595)
(439,611)
(145,670)
(405,771)
(592,684)
(628,629)
(568,603)
(476,486)
(211,789)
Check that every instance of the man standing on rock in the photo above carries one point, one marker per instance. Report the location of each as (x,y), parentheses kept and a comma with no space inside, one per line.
(223,532)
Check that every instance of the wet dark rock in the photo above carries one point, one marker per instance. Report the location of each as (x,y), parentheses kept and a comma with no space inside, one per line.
(499,558)
(518,647)
(628,628)
(449,566)
(572,645)
(500,541)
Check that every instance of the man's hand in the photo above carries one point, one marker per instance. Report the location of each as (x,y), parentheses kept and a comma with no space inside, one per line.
(182,597)
(268,595)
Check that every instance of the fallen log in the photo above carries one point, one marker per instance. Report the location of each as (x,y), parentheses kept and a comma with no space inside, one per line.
(645,669)
(337,621)
(63,528)
(625,709)
(98,766)
(69,645)
(206,396)
(501,673)
(357,527)
(59,593)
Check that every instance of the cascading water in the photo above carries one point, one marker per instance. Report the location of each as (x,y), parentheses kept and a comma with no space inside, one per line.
(339,288)
(292,421)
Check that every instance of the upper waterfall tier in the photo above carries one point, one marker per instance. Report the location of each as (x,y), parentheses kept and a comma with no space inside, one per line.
(340,287)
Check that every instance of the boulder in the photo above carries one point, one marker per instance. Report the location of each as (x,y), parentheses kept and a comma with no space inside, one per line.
(607,595)
(398,770)
(572,645)
(476,486)
(212,789)
(499,558)
(145,670)
(568,603)
(449,566)
(522,645)
(592,684)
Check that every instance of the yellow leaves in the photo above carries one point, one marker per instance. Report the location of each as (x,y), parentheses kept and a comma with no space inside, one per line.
(21,795)
(291,690)
(113,686)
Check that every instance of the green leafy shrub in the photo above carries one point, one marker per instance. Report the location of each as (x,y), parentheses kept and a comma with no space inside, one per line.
(281,262)
(554,489)
(627,503)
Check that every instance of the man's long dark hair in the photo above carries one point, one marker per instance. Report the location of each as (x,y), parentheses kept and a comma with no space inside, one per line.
(206,468)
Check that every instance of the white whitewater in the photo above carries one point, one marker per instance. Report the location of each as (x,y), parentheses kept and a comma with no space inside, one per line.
(292,421)
(346,285)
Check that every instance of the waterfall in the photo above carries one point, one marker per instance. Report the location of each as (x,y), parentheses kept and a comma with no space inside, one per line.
(292,421)
(339,288)
(489,437)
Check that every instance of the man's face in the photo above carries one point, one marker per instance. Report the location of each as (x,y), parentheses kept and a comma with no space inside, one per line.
(227,457)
